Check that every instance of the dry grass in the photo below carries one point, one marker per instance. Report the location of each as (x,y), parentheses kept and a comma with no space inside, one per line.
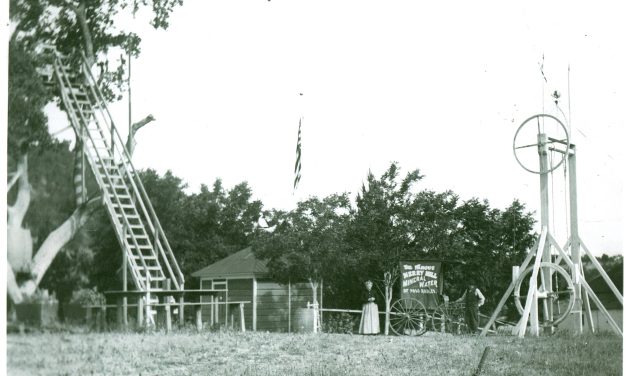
(225,353)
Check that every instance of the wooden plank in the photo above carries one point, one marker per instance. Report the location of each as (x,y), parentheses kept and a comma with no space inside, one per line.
(531,295)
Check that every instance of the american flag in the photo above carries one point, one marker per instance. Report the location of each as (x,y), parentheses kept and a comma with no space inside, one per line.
(297,165)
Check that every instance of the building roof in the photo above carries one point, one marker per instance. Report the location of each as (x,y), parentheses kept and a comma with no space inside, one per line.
(241,264)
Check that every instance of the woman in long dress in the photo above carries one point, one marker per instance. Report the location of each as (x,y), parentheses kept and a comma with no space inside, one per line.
(369,314)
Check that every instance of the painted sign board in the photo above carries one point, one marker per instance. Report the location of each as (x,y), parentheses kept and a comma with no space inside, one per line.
(422,280)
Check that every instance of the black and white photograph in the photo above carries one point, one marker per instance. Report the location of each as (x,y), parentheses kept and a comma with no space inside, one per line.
(292,187)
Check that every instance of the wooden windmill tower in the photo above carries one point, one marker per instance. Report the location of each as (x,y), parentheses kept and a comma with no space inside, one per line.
(554,286)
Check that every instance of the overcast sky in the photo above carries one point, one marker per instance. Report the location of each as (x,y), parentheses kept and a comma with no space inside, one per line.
(440,86)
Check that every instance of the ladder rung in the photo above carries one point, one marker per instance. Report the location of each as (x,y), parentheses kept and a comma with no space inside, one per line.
(123,206)
(151,267)
(141,246)
(129,216)
(137,236)
(137,257)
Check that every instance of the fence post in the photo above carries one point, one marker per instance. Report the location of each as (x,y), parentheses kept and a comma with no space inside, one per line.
(198,317)
(168,313)
(103,309)
(181,312)
(140,312)
(242,323)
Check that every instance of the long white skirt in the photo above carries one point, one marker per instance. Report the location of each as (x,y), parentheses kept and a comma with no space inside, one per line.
(369,319)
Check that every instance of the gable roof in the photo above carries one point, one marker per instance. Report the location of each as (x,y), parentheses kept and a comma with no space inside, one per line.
(241,264)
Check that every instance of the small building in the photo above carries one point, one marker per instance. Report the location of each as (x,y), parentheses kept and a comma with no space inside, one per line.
(274,307)
(608,299)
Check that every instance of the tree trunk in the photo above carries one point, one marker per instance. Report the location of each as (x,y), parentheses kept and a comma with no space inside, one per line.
(388,300)
(12,288)
(388,280)
(19,240)
(89,45)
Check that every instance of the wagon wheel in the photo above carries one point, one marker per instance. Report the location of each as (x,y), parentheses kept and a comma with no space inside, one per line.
(555,299)
(449,318)
(408,317)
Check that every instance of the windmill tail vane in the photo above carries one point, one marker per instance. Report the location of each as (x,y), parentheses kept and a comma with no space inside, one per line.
(297,165)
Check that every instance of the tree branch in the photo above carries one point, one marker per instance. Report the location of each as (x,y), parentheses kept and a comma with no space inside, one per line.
(55,242)
(14,176)
(130,141)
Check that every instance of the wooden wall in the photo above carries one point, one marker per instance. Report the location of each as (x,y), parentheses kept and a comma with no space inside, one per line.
(242,290)
(273,307)
(272,302)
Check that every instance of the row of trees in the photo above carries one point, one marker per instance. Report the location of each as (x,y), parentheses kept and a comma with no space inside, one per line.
(392,220)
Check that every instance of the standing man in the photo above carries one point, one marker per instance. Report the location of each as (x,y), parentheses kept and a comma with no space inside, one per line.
(473,299)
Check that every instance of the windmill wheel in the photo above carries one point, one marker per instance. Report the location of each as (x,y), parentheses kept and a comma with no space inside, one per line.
(556,297)
(408,317)
(527,143)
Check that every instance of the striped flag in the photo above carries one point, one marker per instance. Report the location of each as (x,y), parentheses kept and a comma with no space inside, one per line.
(297,165)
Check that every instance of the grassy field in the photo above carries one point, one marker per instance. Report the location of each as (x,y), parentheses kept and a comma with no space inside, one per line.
(228,353)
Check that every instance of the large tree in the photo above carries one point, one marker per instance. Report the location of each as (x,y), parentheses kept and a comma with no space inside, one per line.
(76,28)
(307,243)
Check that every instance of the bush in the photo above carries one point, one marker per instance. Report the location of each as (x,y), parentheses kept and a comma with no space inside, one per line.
(40,297)
(85,297)
(343,323)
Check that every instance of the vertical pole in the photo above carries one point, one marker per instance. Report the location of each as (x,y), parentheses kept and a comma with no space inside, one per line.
(168,312)
(88,316)
(119,313)
(103,310)
(124,288)
(148,307)
(289,306)
(140,312)
(544,222)
(226,306)
(320,312)
(198,316)
(130,121)
(255,304)
(212,306)
(98,319)
(181,314)
(574,239)
(242,323)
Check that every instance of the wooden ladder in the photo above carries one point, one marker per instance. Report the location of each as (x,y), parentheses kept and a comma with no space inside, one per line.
(137,228)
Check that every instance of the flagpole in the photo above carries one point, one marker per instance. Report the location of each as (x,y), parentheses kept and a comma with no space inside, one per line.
(130,122)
